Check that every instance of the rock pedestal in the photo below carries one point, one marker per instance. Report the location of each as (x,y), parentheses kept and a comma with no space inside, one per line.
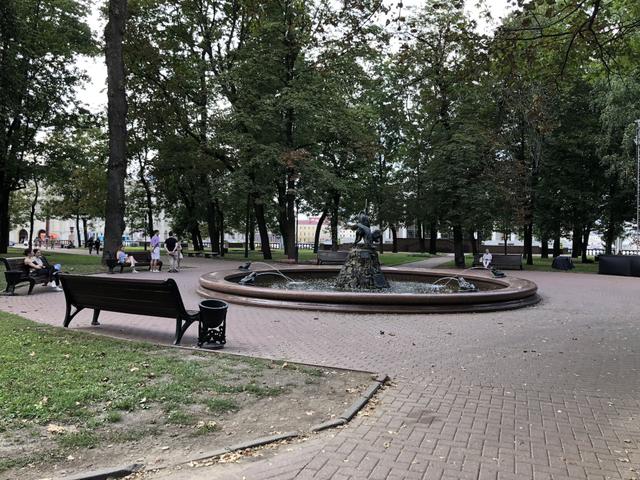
(361,271)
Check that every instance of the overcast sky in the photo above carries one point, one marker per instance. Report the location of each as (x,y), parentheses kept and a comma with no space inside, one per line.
(94,93)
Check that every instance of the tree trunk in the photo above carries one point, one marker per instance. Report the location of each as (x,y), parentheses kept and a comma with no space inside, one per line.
(282,218)
(576,242)
(334,229)
(608,245)
(32,214)
(252,232)
(199,234)
(556,245)
(4,214)
(194,239)
(544,248)
(474,242)
(585,242)
(85,232)
(421,242)
(78,231)
(149,201)
(246,227)
(117,119)
(506,240)
(212,225)
(458,246)
(334,221)
(265,245)
(528,242)
(394,236)
(316,238)
(433,238)
(221,230)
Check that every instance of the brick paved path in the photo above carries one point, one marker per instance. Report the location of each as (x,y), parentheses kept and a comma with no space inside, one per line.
(548,392)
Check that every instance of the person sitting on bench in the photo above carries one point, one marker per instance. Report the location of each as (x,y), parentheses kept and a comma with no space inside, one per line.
(124,259)
(33,260)
(487,258)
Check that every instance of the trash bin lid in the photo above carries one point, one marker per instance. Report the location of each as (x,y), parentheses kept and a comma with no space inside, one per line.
(213,304)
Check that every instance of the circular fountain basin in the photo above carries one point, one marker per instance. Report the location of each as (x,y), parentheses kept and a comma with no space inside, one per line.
(493,293)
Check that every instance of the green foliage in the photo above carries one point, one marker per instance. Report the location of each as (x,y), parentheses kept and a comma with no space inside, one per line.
(75,171)
(39,41)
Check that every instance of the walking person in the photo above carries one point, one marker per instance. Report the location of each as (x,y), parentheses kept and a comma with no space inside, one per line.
(96,246)
(89,245)
(172,246)
(155,251)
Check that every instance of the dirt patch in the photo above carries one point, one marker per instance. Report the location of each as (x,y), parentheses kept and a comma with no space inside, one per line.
(279,397)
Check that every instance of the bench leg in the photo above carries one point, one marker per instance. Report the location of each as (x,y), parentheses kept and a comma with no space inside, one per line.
(10,289)
(95,321)
(69,316)
(178,337)
(181,329)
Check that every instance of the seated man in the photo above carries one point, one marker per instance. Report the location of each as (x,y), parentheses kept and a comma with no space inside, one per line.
(38,265)
(124,259)
(487,258)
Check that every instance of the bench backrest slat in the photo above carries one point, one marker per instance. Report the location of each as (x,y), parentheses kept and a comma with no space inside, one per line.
(14,264)
(141,257)
(150,297)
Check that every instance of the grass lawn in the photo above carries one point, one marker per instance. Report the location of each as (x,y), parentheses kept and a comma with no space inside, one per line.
(539,264)
(388,259)
(67,395)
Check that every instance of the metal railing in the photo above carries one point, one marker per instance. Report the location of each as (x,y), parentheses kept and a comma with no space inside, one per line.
(601,251)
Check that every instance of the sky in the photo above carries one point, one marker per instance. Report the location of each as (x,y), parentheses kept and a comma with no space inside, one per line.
(94,92)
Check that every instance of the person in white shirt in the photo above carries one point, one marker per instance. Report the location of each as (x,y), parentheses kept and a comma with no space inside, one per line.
(486,258)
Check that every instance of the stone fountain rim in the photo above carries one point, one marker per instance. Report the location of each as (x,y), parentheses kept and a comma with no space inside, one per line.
(513,293)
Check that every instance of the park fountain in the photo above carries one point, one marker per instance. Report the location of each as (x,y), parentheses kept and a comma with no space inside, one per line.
(362,285)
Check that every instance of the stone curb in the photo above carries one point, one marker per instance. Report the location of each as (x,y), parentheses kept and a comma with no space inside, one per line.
(336,422)
(355,407)
(258,442)
(114,472)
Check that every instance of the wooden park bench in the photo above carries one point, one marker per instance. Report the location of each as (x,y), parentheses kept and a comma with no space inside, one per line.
(500,261)
(156,298)
(17,272)
(143,259)
(330,257)
(203,254)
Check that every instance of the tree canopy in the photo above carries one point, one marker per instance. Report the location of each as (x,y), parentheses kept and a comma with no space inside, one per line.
(240,114)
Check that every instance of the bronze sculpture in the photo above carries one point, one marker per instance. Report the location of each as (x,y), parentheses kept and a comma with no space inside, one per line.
(364,232)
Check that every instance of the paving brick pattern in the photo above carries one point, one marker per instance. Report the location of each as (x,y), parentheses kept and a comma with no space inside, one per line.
(548,392)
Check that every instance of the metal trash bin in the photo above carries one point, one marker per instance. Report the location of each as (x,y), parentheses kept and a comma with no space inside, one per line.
(213,322)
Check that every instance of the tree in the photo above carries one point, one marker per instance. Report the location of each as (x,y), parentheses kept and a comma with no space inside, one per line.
(444,66)
(39,40)
(117,120)
(584,28)
(75,174)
